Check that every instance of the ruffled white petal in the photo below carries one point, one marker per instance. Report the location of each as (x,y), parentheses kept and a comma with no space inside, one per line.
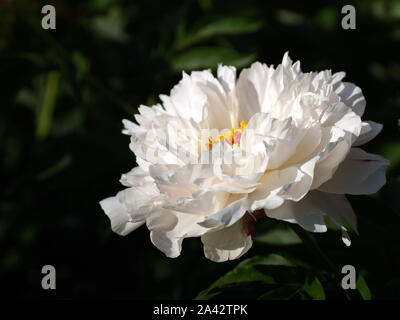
(226,244)
(281,137)
(186,99)
(129,208)
(171,246)
(251,88)
(352,96)
(369,130)
(169,228)
(303,212)
(119,216)
(359,173)
(236,207)
(309,212)
(291,183)
(227,77)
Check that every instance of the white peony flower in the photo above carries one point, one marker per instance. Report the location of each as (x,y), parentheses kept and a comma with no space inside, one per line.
(219,153)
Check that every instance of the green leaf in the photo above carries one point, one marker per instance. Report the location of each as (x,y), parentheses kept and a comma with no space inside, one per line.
(209,57)
(270,271)
(223,26)
(110,26)
(45,115)
(281,293)
(314,289)
(279,236)
(362,287)
(242,272)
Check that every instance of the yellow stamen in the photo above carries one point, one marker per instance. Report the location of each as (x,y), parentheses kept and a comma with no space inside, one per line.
(229,136)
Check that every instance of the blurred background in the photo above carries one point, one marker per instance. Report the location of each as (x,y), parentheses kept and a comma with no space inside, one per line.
(64,93)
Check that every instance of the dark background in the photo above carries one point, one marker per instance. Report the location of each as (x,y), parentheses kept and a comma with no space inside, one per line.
(64,93)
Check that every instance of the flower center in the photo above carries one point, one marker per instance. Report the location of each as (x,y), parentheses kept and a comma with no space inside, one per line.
(231,136)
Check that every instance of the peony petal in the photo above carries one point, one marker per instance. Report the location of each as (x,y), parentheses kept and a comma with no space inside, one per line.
(341,116)
(309,211)
(360,173)
(186,99)
(307,145)
(137,177)
(227,77)
(217,104)
(240,168)
(331,152)
(369,130)
(119,216)
(291,183)
(345,237)
(236,208)
(131,128)
(281,136)
(303,213)
(226,244)
(274,184)
(352,96)
(161,220)
(251,88)
(300,189)
(170,246)
(337,78)
(169,228)
(201,203)
(336,207)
